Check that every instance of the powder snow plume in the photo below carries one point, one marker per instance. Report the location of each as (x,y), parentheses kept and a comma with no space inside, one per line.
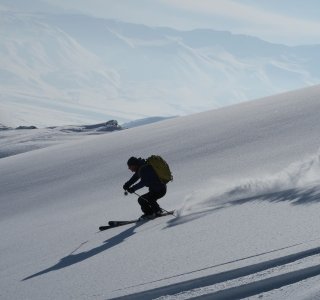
(298,183)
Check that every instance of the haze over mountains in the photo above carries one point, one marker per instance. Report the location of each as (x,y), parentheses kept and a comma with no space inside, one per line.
(68,68)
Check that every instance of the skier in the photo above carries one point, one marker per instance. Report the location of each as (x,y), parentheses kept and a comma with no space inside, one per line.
(148,177)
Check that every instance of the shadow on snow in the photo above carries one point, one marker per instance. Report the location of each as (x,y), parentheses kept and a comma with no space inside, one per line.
(244,290)
(72,259)
(295,196)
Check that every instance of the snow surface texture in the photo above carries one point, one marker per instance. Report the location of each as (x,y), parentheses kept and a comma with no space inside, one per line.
(246,187)
(61,68)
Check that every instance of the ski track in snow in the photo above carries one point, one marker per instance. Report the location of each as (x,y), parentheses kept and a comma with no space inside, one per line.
(242,282)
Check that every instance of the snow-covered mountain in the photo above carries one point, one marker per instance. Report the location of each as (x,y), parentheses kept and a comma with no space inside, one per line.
(27,138)
(62,68)
(22,139)
(246,190)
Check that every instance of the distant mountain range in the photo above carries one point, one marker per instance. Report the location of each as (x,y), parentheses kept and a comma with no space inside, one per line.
(58,68)
(27,138)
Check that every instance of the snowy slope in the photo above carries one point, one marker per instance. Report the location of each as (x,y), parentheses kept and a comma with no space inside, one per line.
(44,70)
(245,186)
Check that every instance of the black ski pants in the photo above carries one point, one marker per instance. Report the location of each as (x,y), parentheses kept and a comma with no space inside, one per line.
(148,201)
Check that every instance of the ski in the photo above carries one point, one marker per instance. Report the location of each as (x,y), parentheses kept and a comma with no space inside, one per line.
(113,224)
(117,224)
(120,223)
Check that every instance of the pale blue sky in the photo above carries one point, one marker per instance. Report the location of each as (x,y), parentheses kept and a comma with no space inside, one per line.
(290,22)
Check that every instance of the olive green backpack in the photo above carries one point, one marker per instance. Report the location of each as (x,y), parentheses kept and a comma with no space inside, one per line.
(161,168)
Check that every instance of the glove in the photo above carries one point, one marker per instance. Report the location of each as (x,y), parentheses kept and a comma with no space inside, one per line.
(131,190)
(126,186)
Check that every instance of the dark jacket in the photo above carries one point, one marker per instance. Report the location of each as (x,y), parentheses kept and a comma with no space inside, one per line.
(148,178)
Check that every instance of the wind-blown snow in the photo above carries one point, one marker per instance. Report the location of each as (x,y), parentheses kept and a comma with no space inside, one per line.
(245,185)
(297,183)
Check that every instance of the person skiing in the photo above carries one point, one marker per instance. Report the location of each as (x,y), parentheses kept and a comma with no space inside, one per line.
(149,178)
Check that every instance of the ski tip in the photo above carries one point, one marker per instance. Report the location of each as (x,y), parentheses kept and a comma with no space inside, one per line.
(102,228)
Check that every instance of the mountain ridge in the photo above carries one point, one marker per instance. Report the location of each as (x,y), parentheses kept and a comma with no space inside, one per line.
(97,69)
